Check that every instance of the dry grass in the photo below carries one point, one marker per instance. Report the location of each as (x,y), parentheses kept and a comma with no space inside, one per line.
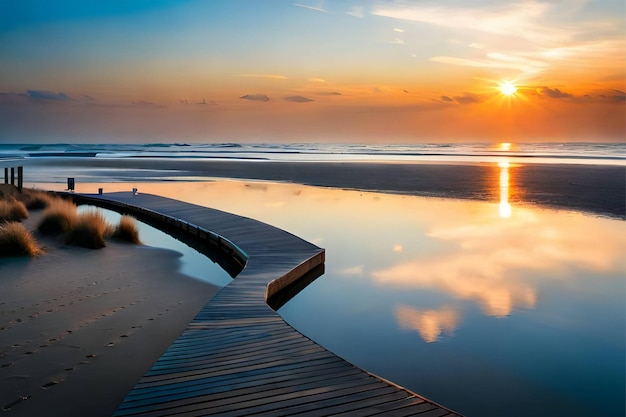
(35,199)
(16,240)
(90,230)
(127,230)
(59,217)
(12,210)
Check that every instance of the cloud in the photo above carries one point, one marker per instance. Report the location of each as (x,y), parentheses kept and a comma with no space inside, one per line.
(298,99)
(146,104)
(495,60)
(468,98)
(269,76)
(203,102)
(553,93)
(501,20)
(446,99)
(317,9)
(356,11)
(531,36)
(48,95)
(256,97)
(329,93)
(619,96)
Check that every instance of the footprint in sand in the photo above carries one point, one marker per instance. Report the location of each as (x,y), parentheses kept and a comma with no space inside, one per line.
(49,384)
(14,403)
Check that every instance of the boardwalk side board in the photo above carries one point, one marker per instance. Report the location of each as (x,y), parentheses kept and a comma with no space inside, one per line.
(238,357)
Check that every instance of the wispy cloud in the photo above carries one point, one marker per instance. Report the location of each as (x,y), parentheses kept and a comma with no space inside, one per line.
(501,20)
(356,11)
(496,60)
(317,9)
(531,35)
(268,76)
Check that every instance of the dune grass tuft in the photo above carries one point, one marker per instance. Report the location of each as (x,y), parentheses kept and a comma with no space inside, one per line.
(12,210)
(127,230)
(35,199)
(59,217)
(16,240)
(90,230)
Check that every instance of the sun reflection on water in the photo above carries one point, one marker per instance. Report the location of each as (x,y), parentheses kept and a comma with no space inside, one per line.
(505,206)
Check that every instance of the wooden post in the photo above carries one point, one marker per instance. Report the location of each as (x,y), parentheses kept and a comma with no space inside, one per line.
(12,176)
(20,178)
(6,175)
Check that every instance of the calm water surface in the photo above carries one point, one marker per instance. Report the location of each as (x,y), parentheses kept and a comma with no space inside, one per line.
(487,308)
(191,263)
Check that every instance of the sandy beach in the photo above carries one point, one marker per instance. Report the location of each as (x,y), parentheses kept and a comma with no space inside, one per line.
(79,327)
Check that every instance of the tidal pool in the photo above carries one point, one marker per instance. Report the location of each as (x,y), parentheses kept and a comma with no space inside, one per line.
(491,309)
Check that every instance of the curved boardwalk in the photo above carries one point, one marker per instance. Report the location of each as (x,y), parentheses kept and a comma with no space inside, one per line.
(238,357)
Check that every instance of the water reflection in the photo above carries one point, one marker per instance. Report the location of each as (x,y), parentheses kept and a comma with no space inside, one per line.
(450,299)
(495,263)
(430,324)
(505,206)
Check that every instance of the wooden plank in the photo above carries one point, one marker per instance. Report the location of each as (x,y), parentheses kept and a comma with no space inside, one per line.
(238,357)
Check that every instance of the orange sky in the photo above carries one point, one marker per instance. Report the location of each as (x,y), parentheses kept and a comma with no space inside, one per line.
(334,71)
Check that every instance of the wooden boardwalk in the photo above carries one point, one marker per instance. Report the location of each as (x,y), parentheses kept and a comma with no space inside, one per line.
(238,357)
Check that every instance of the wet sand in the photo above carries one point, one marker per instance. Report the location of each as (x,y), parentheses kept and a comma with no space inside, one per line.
(79,327)
(597,189)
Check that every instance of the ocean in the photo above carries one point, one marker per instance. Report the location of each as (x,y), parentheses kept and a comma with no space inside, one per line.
(549,152)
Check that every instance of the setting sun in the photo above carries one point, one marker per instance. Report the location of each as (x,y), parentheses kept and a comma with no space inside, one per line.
(508,88)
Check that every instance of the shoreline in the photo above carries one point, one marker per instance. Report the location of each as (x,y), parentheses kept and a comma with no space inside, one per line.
(595,189)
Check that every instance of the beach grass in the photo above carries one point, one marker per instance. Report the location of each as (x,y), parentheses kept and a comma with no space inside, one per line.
(59,217)
(126,230)
(90,230)
(16,240)
(12,210)
(35,199)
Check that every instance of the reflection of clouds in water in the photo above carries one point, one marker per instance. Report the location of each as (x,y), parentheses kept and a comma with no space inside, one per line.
(275,204)
(489,262)
(466,277)
(357,270)
(430,324)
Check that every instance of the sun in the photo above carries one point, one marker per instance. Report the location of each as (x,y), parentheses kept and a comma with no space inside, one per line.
(507,88)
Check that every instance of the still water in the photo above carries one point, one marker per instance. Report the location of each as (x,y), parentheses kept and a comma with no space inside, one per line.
(487,308)
(191,262)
